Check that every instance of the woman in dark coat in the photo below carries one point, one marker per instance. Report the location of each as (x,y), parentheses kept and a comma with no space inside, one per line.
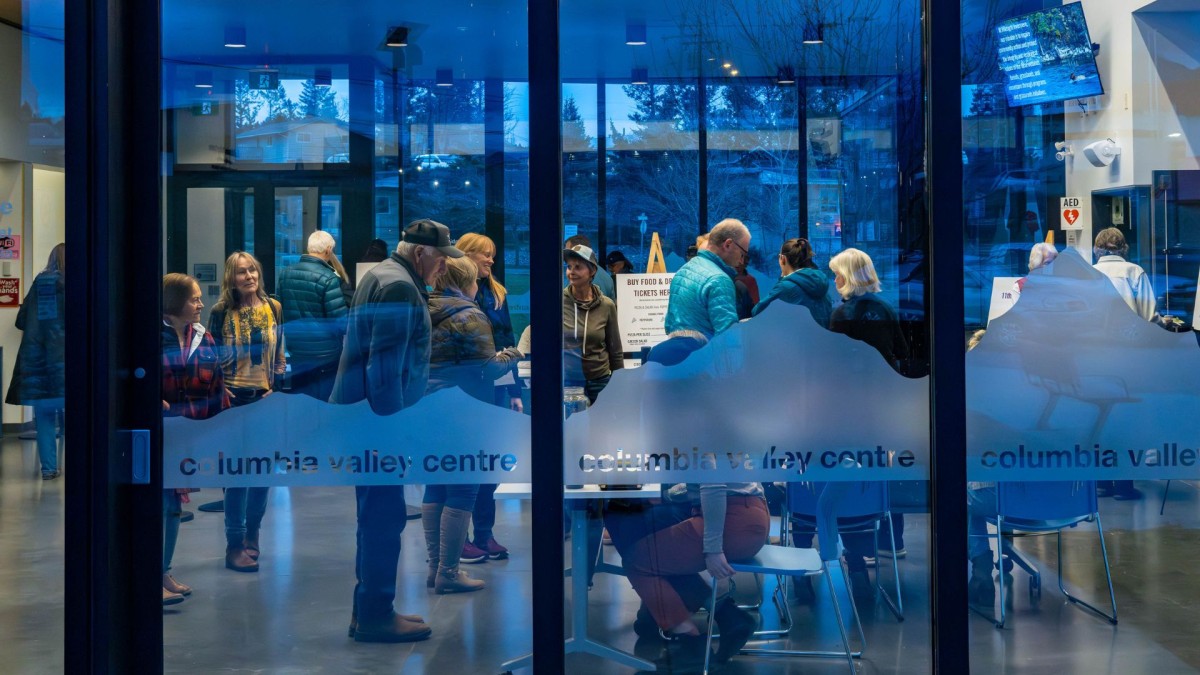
(193,386)
(39,375)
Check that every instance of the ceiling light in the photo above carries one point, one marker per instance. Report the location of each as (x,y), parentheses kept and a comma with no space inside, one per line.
(235,37)
(204,79)
(733,72)
(1174,135)
(323,77)
(727,65)
(397,37)
(785,75)
(445,77)
(635,33)
(639,76)
(814,33)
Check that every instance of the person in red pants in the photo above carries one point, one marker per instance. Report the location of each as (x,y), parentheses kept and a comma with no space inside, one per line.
(729,522)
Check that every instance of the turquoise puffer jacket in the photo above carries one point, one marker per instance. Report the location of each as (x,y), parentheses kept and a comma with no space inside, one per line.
(807,287)
(702,296)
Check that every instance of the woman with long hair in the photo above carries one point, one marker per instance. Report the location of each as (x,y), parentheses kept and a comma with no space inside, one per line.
(246,325)
(193,386)
(492,299)
(39,376)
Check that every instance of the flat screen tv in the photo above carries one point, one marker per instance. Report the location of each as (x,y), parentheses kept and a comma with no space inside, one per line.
(1047,56)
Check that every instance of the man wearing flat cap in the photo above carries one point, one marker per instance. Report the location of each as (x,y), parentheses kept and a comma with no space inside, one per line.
(386,362)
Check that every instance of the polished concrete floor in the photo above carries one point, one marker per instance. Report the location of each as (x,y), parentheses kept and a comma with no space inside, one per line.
(291,617)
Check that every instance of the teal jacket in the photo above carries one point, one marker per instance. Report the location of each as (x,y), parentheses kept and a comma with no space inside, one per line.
(808,287)
(702,296)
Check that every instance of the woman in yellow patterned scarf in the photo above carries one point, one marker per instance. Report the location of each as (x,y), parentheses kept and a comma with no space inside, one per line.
(246,326)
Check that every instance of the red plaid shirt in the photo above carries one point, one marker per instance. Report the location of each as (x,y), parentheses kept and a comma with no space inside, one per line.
(193,384)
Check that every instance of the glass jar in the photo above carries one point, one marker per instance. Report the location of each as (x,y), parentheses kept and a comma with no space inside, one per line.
(574,400)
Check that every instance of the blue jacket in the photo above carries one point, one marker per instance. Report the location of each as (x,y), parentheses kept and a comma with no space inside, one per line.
(807,287)
(702,296)
(314,311)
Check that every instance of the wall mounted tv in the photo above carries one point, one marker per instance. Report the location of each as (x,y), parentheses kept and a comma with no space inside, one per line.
(1047,56)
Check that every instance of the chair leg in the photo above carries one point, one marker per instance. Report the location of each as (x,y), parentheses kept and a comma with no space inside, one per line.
(897,604)
(1112,618)
(711,614)
(1000,556)
(841,624)
(837,611)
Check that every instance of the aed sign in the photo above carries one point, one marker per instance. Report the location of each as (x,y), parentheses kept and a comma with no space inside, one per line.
(1072,213)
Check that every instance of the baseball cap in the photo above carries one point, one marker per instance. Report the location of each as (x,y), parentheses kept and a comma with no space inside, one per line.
(582,252)
(431,233)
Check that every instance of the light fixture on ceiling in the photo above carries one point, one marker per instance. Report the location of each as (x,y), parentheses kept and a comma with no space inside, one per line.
(639,76)
(727,65)
(785,75)
(323,77)
(445,77)
(397,37)
(734,72)
(235,37)
(204,79)
(635,33)
(1174,135)
(814,33)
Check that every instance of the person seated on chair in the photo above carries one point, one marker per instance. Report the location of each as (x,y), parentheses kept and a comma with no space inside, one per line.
(729,521)
(981,506)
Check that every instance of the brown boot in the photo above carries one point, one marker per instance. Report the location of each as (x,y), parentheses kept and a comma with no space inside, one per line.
(171,598)
(250,543)
(431,520)
(170,584)
(237,560)
(454,534)
(393,628)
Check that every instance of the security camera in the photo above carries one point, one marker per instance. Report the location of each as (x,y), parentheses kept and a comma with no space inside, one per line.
(1102,153)
(1062,145)
(1064,150)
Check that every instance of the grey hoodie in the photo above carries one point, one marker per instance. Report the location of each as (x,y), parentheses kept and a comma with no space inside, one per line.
(591,340)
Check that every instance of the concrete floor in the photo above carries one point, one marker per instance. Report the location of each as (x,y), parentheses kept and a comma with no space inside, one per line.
(291,617)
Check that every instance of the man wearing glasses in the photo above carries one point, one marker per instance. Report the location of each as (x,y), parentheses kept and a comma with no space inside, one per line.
(702,293)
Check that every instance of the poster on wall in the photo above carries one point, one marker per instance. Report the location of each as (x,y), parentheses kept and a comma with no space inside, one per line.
(642,301)
(10,247)
(10,292)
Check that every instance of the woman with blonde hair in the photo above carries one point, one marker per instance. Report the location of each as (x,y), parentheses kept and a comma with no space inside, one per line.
(492,299)
(462,354)
(247,327)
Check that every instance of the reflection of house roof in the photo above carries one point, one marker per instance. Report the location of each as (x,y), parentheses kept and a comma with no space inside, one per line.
(287,126)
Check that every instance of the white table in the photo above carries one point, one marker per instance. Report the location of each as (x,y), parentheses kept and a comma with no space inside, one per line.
(579,642)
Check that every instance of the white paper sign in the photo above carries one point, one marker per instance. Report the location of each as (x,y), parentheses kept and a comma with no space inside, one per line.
(1003,296)
(642,301)
(1072,213)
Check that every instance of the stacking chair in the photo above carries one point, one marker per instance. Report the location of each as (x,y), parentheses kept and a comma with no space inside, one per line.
(866,507)
(804,562)
(1043,507)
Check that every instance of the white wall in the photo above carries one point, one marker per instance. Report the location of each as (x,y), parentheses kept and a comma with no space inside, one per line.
(1137,111)
(206,237)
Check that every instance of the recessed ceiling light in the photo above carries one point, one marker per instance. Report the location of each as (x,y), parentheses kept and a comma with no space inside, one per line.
(204,79)
(1174,135)
(734,71)
(785,75)
(727,65)
(398,37)
(445,77)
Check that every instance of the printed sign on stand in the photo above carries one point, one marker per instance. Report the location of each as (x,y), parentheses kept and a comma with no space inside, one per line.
(642,301)
(1072,213)
(10,292)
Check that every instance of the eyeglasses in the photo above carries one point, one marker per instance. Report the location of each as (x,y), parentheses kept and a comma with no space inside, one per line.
(745,252)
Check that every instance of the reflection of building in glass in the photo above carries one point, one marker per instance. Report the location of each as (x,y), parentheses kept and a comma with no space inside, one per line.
(305,140)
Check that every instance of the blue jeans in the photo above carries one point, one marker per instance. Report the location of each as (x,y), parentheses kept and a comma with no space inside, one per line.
(484,515)
(45,415)
(382,515)
(461,497)
(172,508)
(244,510)
(981,505)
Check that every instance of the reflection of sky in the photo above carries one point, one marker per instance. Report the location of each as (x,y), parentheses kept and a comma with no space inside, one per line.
(618,108)
(42,76)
